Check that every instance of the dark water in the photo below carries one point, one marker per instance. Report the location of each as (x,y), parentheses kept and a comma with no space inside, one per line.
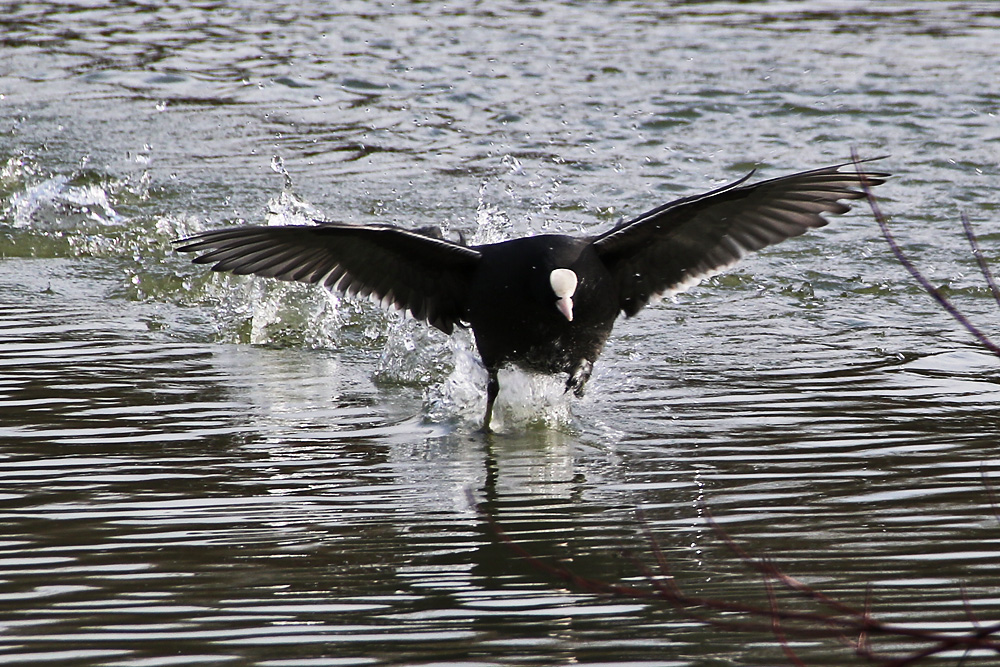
(203,470)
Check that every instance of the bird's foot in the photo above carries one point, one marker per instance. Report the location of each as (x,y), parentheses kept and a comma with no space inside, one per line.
(578,378)
(492,390)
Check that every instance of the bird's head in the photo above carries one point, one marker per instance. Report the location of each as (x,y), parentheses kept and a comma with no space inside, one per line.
(563,282)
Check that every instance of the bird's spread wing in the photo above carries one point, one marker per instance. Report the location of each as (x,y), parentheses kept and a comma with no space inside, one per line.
(673,247)
(413,271)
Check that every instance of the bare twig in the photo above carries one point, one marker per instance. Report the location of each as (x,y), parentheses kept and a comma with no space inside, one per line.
(984,268)
(779,634)
(914,271)
(864,645)
(768,568)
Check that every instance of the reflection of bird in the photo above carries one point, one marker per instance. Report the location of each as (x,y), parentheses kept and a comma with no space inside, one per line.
(545,303)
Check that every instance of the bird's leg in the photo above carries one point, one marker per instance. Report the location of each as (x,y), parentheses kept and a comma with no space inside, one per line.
(492,389)
(578,378)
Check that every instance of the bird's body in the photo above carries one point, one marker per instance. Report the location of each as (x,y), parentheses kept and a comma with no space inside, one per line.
(545,303)
(513,318)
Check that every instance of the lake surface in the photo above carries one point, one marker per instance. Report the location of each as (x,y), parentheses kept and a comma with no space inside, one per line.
(200,469)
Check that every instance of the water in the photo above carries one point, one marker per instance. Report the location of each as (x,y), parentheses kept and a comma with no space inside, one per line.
(199,469)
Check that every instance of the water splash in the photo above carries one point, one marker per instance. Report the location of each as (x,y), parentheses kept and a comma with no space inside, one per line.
(269,312)
(86,212)
(414,353)
(288,208)
(59,202)
(532,399)
(525,399)
(492,224)
(461,393)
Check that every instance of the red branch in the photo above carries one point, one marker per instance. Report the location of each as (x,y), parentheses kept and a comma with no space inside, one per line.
(918,276)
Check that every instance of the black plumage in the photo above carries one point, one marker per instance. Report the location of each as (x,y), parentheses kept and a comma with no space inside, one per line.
(545,303)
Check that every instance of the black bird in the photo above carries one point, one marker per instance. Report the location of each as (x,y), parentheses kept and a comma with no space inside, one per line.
(545,303)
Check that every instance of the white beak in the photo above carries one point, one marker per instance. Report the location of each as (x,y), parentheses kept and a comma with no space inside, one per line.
(563,282)
(565,306)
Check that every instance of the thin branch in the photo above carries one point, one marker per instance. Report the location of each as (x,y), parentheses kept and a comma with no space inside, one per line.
(914,271)
(969,614)
(864,643)
(779,634)
(984,268)
(767,567)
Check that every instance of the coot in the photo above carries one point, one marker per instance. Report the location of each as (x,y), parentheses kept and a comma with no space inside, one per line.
(546,303)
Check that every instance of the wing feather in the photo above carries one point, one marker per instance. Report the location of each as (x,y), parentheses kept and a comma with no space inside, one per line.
(423,274)
(676,245)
